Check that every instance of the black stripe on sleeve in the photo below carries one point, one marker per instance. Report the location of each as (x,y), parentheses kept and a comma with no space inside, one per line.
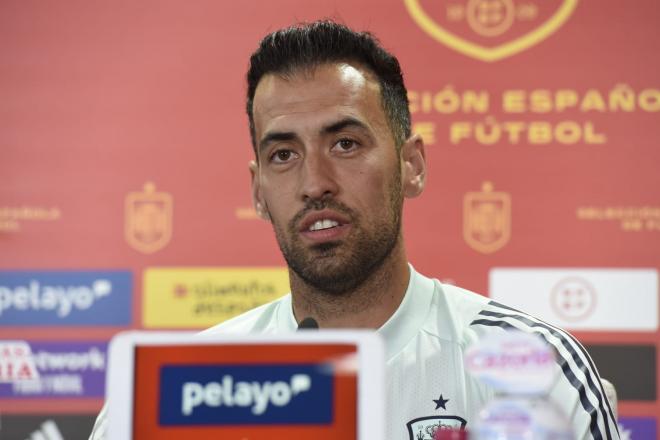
(565,367)
(597,390)
(570,376)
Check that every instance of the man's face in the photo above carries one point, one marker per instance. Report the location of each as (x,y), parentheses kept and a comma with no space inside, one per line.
(328,175)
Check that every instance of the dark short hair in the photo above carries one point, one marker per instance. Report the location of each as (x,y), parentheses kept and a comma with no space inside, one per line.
(308,45)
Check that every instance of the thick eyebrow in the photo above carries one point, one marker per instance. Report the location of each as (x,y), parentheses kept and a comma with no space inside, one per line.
(275,136)
(342,124)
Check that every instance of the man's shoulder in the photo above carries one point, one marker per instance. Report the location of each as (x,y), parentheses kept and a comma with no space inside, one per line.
(481,315)
(476,316)
(452,310)
(263,319)
(468,316)
(459,301)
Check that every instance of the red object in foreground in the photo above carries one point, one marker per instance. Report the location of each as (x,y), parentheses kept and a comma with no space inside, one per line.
(450,434)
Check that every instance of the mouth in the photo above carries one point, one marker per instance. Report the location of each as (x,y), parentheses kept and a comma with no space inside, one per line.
(323,226)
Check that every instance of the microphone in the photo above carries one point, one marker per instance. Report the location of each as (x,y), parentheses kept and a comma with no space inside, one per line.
(308,323)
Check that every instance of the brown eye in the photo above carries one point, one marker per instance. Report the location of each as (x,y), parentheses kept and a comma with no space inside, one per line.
(346,144)
(282,156)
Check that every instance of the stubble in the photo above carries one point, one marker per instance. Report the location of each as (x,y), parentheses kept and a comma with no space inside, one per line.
(337,268)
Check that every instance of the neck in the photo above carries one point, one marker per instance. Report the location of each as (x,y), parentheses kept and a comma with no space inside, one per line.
(369,305)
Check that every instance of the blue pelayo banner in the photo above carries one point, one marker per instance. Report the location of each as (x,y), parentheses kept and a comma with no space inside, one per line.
(65,298)
(246,394)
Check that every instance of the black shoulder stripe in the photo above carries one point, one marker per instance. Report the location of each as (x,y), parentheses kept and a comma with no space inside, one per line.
(597,390)
(502,306)
(568,373)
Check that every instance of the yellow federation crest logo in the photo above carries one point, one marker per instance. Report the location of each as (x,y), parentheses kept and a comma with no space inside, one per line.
(148,219)
(490,30)
(487,219)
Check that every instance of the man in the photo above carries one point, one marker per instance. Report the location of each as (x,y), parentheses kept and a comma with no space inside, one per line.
(334,160)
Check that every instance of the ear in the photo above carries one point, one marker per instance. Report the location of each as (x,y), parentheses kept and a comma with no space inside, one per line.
(257,199)
(413,160)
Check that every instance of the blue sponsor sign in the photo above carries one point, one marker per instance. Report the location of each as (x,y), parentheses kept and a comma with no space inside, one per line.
(638,428)
(65,369)
(64,298)
(246,394)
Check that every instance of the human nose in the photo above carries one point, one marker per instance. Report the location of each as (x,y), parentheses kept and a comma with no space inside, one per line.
(318,178)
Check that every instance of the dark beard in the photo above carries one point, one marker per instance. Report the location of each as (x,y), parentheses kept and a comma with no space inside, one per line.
(356,258)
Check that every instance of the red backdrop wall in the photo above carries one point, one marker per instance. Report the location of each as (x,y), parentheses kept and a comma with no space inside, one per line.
(540,118)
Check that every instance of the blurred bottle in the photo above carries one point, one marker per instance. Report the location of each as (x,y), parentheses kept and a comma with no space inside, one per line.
(520,367)
(521,418)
